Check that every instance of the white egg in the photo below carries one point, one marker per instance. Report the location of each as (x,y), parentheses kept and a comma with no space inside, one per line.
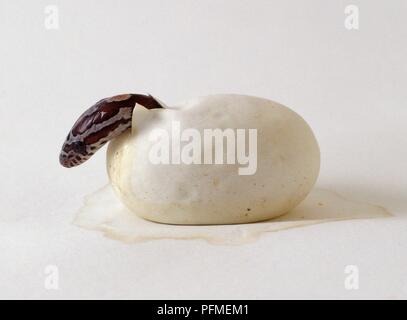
(266,166)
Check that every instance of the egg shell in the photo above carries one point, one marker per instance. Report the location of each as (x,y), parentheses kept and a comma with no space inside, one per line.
(288,161)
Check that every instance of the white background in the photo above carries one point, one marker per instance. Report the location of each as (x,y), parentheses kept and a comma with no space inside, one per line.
(350,85)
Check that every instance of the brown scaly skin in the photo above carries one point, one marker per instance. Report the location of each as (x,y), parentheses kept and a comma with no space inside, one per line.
(105,120)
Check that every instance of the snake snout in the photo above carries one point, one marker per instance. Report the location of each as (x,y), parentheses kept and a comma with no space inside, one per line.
(66,160)
(69,161)
(72,154)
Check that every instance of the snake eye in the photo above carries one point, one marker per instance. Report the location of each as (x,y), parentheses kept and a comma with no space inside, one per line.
(79,147)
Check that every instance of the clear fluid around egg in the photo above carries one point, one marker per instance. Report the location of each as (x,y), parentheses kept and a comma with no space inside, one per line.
(102,211)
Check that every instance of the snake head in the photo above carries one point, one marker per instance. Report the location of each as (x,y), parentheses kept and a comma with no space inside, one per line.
(104,121)
(73,153)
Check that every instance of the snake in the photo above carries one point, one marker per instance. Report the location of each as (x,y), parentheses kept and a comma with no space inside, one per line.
(105,120)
